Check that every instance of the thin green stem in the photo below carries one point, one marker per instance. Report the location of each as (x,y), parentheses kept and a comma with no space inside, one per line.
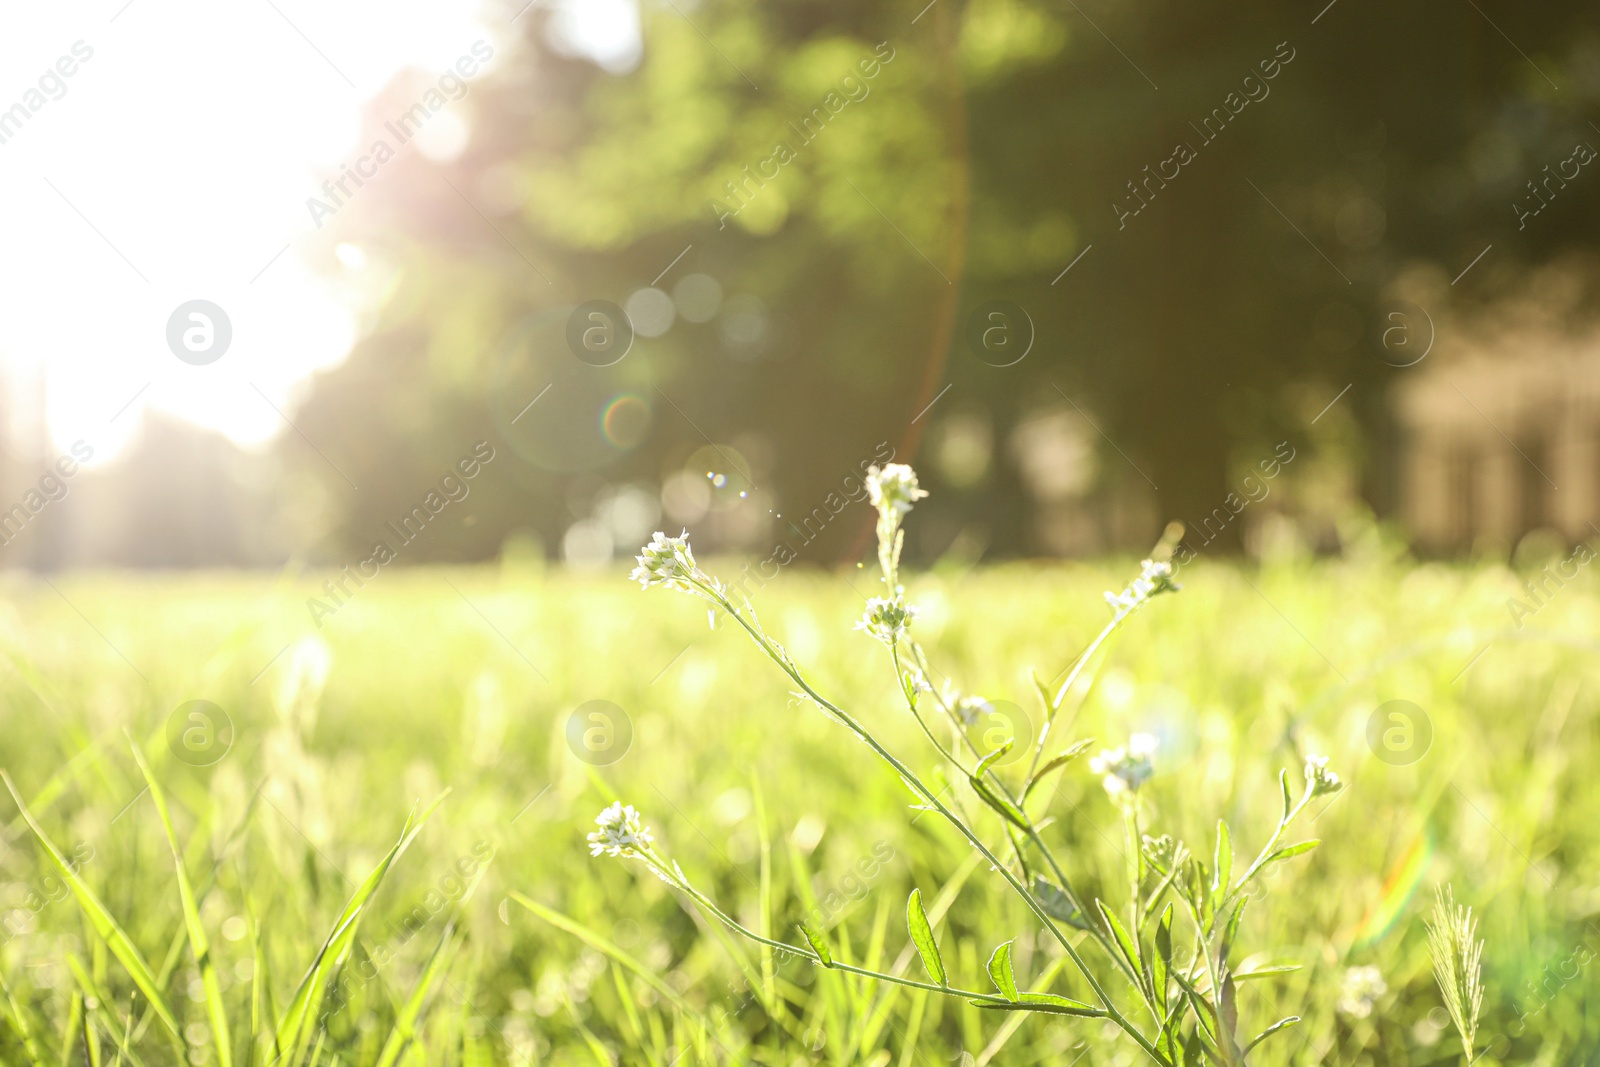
(1032,832)
(911,778)
(899,672)
(1267,850)
(1066,686)
(727,920)
(911,705)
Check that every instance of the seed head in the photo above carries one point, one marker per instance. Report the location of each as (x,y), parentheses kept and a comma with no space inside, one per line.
(1457,964)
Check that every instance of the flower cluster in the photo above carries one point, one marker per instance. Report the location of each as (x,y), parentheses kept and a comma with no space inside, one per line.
(1360,990)
(1162,852)
(1155,577)
(621,833)
(667,561)
(1319,779)
(893,489)
(969,708)
(887,619)
(1124,770)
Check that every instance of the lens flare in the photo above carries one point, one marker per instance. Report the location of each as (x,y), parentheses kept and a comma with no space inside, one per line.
(626,420)
(1398,887)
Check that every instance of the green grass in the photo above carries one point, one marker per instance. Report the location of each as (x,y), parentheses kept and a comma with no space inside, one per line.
(463,680)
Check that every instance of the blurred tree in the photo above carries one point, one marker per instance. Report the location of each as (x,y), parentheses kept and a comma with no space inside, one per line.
(860,179)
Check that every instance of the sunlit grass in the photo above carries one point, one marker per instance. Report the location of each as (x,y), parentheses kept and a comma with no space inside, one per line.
(465,679)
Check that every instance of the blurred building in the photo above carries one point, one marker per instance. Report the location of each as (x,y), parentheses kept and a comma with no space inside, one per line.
(1500,437)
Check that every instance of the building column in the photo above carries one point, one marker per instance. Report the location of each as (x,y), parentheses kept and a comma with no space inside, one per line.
(1499,476)
(1425,490)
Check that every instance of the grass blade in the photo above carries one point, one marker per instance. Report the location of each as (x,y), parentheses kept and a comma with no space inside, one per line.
(19,1019)
(405,1025)
(292,1032)
(105,925)
(199,945)
(600,944)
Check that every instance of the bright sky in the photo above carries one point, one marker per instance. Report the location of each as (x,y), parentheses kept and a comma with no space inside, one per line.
(175,166)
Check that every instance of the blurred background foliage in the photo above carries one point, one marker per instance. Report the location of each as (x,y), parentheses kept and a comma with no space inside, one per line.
(986,156)
(1001,142)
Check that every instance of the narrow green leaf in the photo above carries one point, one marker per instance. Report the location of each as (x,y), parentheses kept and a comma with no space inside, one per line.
(1072,753)
(1001,804)
(1266,971)
(1228,1005)
(1125,941)
(922,937)
(818,945)
(1057,904)
(1290,851)
(1000,971)
(990,760)
(1223,872)
(1230,929)
(1269,1031)
(1204,1012)
(1167,1040)
(1161,961)
(1045,1002)
(1288,802)
(1043,691)
(104,923)
(199,945)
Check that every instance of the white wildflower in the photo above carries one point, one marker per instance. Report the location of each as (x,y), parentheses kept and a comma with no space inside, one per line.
(1360,990)
(667,561)
(1124,770)
(621,833)
(887,619)
(970,707)
(915,682)
(893,489)
(1155,577)
(1319,779)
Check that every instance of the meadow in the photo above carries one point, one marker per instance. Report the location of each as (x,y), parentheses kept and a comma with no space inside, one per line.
(494,936)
